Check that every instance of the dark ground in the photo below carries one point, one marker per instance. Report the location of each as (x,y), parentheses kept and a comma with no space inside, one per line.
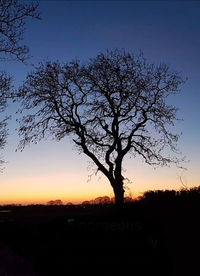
(159,234)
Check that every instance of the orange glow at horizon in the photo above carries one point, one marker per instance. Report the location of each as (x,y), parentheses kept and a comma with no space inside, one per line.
(75,188)
(40,189)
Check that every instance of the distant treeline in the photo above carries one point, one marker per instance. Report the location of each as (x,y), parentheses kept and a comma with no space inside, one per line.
(171,194)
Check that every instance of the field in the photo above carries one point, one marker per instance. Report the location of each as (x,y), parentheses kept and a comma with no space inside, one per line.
(158,234)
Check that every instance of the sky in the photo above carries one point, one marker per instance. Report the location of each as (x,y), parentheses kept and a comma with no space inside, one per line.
(165,31)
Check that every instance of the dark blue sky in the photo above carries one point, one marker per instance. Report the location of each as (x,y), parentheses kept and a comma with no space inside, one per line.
(166,31)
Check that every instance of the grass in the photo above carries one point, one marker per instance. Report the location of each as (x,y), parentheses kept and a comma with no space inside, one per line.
(158,234)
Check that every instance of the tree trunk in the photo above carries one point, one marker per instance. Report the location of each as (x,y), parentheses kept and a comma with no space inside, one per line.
(119,194)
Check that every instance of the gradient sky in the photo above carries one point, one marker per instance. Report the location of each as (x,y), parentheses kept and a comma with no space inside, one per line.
(166,31)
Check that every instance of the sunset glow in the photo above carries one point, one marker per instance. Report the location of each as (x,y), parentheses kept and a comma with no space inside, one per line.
(54,170)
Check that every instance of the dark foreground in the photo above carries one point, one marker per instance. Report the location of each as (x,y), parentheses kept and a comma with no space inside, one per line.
(159,235)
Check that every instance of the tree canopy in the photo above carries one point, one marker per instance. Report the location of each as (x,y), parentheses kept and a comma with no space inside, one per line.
(112,105)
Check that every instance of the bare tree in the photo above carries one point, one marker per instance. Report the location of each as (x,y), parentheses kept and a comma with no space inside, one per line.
(5,86)
(13,15)
(113,105)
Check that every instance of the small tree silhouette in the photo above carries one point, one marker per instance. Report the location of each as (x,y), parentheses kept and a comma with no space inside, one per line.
(102,200)
(113,105)
(55,202)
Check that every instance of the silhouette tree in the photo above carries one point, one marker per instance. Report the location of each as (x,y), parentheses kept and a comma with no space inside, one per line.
(55,202)
(13,16)
(5,85)
(102,200)
(113,105)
